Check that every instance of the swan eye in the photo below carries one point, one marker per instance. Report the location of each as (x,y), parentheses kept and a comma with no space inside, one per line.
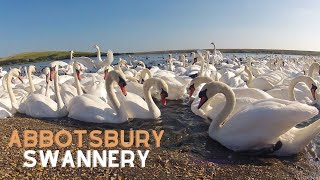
(122,82)
(203,93)
(314,87)
(191,87)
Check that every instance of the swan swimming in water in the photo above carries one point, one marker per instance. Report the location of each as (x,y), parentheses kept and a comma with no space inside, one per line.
(266,125)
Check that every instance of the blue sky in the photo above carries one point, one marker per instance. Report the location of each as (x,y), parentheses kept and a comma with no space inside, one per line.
(144,25)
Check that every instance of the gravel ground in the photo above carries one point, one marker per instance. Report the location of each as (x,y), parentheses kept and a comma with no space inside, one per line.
(169,163)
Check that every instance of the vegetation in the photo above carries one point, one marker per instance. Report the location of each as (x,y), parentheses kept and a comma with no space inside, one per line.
(42,56)
(59,55)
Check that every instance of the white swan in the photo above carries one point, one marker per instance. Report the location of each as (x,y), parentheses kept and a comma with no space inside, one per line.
(305,94)
(41,106)
(136,107)
(266,125)
(90,108)
(265,82)
(9,105)
(244,96)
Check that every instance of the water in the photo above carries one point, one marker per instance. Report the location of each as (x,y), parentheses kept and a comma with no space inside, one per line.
(156,59)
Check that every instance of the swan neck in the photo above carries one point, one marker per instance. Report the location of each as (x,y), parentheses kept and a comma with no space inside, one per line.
(77,82)
(293,83)
(10,91)
(250,75)
(312,67)
(47,89)
(30,81)
(202,66)
(147,96)
(99,54)
(57,91)
(111,94)
(218,123)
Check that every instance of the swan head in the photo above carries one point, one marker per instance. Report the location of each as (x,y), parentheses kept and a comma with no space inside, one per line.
(97,47)
(71,53)
(162,86)
(196,82)
(46,72)
(32,68)
(118,77)
(15,72)
(77,70)
(53,71)
(210,90)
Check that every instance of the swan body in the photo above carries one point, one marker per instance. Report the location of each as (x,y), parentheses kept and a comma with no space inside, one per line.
(89,108)
(136,107)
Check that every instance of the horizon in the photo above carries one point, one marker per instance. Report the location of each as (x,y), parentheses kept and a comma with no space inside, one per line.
(158,26)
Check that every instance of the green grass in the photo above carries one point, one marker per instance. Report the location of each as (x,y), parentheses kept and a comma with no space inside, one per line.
(59,55)
(42,56)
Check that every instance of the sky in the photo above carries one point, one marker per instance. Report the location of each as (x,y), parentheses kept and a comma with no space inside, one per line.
(147,25)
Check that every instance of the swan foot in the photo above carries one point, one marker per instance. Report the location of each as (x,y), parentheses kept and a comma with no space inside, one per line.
(263,151)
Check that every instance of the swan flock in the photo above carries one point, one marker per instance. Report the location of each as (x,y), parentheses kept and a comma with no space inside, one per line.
(252,104)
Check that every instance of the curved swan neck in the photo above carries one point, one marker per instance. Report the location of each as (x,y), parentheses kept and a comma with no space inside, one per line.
(145,72)
(250,75)
(294,82)
(217,123)
(110,91)
(98,53)
(10,91)
(200,80)
(147,96)
(29,74)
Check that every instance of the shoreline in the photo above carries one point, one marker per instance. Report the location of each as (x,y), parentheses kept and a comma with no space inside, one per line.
(29,57)
(174,162)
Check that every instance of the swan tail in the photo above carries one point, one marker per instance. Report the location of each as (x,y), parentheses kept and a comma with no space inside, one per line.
(298,138)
